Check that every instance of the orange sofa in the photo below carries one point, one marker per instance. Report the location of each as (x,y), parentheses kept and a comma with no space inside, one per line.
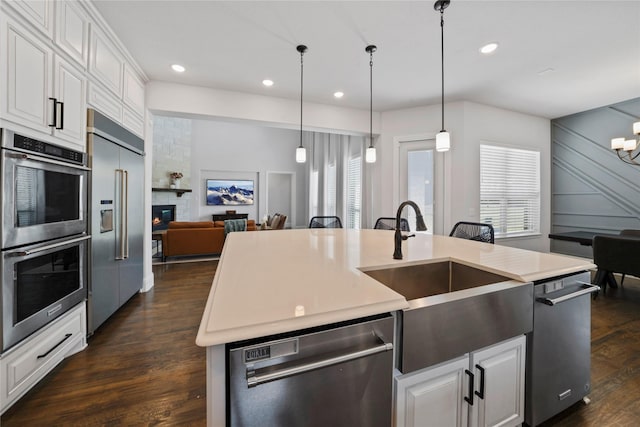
(195,238)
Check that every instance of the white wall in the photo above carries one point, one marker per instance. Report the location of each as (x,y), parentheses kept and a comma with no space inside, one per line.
(242,151)
(469,124)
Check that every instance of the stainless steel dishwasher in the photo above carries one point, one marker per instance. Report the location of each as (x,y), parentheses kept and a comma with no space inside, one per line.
(329,376)
(559,348)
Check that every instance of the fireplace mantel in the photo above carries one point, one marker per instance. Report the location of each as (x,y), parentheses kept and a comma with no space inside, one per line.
(179,191)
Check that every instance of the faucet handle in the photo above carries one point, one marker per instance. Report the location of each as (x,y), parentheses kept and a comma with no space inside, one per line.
(406,236)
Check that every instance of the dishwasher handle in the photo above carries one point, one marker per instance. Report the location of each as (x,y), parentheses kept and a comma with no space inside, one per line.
(254,380)
(586,288)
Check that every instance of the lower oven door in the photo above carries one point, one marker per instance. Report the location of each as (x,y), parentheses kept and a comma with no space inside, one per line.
(336,377)
(40,283)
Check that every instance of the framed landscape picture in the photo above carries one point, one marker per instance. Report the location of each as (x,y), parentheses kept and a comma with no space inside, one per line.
(228,192)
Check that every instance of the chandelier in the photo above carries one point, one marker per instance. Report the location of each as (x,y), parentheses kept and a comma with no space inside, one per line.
(626,148)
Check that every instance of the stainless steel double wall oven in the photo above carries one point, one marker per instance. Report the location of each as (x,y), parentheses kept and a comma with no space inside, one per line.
(44,234)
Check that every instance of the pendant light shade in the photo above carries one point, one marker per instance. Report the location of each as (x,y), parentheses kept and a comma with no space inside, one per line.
(301,152)
(370,154)
(443,139)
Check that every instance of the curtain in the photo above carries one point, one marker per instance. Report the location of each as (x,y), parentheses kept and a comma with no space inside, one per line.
(335,178)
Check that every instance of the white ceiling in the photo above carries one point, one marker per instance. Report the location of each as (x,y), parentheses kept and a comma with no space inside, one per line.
(555,57)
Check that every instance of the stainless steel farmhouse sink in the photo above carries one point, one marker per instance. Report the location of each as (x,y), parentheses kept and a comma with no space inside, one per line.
(454,309)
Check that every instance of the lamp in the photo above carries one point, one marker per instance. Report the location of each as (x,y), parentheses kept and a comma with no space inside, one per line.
(443,139)
(301,152)
(628,146)
(370,154)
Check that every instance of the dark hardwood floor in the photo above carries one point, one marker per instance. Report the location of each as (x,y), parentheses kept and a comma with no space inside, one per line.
(142,367)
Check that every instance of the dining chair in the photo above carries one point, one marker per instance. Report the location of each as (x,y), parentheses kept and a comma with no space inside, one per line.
(325,222)
(389,223)
(473,231)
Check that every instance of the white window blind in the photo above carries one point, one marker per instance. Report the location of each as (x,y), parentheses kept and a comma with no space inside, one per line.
(354,193)
(510,190)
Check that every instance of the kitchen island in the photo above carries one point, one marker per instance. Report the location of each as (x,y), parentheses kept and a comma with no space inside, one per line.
(275,282)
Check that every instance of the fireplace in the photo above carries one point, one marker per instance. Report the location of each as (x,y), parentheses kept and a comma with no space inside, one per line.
(161,215)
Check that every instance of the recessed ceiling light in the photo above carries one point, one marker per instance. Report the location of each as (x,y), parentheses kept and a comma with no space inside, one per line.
(338,94)
(267,82)
(178,68)
(488,48)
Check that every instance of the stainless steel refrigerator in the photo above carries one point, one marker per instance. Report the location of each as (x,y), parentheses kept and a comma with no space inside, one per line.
(116,205)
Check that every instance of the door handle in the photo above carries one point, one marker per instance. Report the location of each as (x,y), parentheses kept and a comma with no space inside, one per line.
(587,288)
(53,124)
(121,255)
(61,104)
(254,380)
(480,393)
(469,399)
(48,247)
(126,214)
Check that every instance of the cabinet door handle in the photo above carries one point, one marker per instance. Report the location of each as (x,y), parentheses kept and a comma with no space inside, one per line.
(480,393)
(55,112)
(469,399)
(66,337)
(61,104)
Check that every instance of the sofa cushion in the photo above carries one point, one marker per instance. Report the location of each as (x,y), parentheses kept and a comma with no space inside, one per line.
(190,224)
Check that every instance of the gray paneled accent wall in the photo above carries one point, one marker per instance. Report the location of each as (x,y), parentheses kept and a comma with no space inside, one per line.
(591,188)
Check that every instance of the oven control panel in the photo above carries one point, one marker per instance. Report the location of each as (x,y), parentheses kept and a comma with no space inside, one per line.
(47,149)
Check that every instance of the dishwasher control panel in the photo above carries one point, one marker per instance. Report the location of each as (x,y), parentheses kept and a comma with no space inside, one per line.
(270,350)
(556,285)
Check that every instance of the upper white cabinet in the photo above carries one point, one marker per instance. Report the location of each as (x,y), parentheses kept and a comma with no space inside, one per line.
(133,91)
(122,98)
(43,91)
(105,62)
(72,31)
(483,388)
(70,93)
(38,13)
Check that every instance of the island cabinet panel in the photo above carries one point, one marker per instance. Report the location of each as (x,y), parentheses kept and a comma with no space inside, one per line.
(433,396)
(482,388)
(503,367)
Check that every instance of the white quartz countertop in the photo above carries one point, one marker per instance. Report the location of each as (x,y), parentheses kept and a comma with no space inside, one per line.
(269,282)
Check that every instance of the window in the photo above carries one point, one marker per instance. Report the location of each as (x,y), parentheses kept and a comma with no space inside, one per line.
(354,193)
(510,190)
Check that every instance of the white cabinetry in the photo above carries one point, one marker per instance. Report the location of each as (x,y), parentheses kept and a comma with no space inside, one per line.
(38,13)
(29,361)
(105,62)
(72,31)
(483,388)
(42,90)
(117,91)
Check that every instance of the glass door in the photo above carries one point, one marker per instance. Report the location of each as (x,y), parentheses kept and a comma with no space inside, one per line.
(421,176)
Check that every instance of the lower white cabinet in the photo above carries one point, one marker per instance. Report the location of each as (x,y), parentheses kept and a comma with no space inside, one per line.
(23,365)
(482,388)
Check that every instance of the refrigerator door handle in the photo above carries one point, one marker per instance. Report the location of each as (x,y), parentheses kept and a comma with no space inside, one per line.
(125,213)
(121,236)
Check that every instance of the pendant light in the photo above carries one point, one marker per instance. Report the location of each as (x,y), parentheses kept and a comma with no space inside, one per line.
(443,139)
(301,152)
(370,154)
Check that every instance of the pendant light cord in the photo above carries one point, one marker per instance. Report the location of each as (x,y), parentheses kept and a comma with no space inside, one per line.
(371,98)
(301,88)
(442,60)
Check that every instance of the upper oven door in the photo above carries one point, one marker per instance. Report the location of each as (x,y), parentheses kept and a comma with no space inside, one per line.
(43,199)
